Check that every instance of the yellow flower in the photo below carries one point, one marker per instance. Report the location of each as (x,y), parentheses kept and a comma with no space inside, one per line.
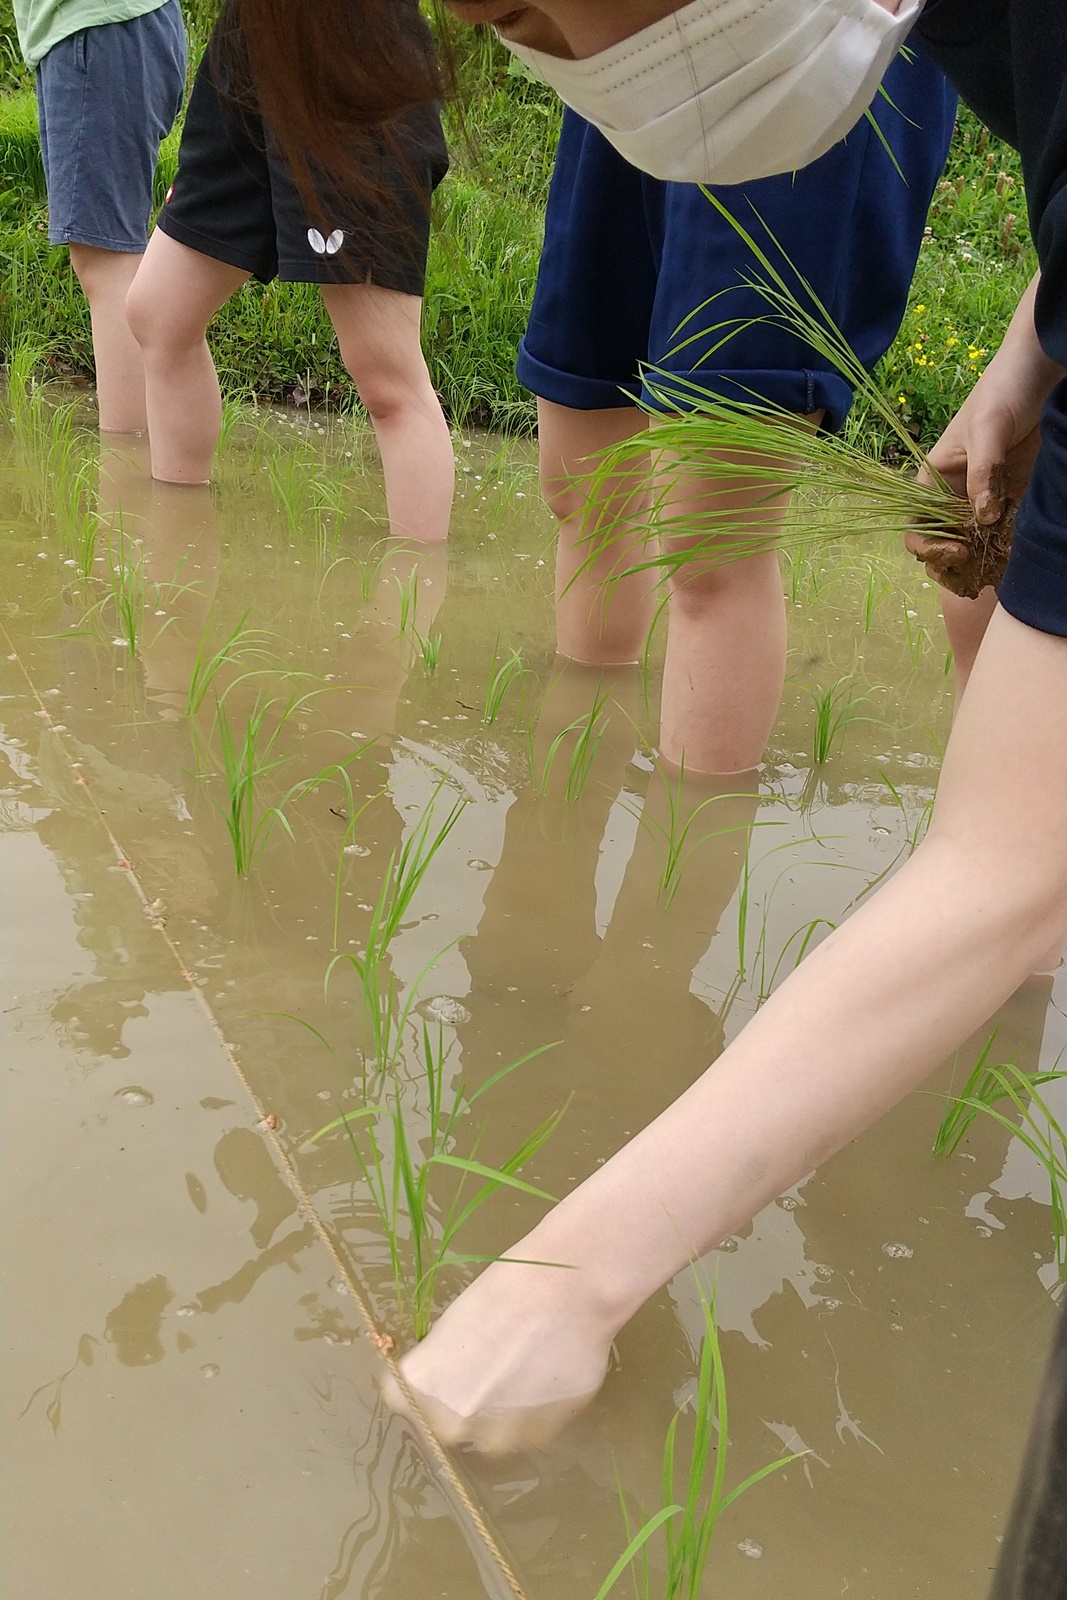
(901,400)
(919,310)
(951,341)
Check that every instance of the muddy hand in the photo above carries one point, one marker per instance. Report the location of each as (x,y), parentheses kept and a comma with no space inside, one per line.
(510,1362)
(948,561)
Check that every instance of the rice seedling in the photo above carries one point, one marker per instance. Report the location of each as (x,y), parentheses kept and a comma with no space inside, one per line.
(429,646)
(913,829)
(242,646)
(372,566)
(695,1500)
(510,670)
(835,708)
(402,1173)
(672,833)
(992,1084)
(383,1015)
(126,573)
(588,731)
(758,449)
(763,969)
(408,592)
(247,757)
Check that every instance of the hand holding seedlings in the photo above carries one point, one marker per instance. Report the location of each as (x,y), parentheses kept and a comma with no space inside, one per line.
(985,456)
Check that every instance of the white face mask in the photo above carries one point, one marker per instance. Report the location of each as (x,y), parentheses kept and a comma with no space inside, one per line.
(724,91)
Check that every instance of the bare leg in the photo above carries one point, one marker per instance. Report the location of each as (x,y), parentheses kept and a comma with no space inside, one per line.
(726,643)
(862,1021)
(599,623)
(174,296)
(965,623)
(105,276)
(379,332)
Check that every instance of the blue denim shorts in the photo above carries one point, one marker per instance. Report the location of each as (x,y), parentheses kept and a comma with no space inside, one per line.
(629,261)
(106,98)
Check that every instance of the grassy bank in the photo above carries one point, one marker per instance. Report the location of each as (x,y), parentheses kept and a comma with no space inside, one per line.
(274,340)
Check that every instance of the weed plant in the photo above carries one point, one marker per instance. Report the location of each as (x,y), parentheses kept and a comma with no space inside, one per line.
(992,1085)
(694,1499)
(402,1172)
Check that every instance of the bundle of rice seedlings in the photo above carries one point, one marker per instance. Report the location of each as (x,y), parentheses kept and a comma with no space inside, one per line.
(764,454)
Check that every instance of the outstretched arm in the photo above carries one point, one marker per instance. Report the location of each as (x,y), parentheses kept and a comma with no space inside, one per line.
(863,1020)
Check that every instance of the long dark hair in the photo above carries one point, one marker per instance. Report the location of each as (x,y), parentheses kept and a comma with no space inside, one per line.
(322,70)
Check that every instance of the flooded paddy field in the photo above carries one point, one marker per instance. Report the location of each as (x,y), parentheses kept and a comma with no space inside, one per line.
(299,826)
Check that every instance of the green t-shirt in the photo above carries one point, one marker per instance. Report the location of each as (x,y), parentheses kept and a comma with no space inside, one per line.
(43,23)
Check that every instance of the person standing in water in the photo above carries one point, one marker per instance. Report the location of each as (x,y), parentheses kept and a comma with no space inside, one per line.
(242,207)
(110,78)
(627,265)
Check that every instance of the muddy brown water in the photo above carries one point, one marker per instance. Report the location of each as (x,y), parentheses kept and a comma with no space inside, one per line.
(190,1398)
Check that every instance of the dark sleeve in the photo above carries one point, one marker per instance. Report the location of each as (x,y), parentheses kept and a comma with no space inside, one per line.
(970,40)
(1034,589)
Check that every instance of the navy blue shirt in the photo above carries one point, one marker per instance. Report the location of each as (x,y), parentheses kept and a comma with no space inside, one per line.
(1008,58)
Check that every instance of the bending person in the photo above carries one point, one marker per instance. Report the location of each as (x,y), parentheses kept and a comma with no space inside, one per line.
(236,211)
(941,945)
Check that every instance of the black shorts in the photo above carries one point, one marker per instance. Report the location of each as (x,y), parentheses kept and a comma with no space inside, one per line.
(235,200)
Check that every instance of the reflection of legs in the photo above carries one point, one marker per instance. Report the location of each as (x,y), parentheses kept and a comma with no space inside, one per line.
(380,337)
(726,644)
(635,1007)
(600,625)
(539,924)
(105,276)
(379,658)
(179,547)
(171,301)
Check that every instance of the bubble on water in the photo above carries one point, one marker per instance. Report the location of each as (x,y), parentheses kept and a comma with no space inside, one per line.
(749,1548)
(445,1009)
(134,1095)
(477,865)
(186,1311)
(210,1370)
(898,1252)
(356,849)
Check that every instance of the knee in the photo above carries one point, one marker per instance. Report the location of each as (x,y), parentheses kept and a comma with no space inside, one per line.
(707,583)
(564,496)
(157,323)
(390,390)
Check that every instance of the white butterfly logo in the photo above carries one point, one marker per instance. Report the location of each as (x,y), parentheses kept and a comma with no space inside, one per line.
(326,247)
